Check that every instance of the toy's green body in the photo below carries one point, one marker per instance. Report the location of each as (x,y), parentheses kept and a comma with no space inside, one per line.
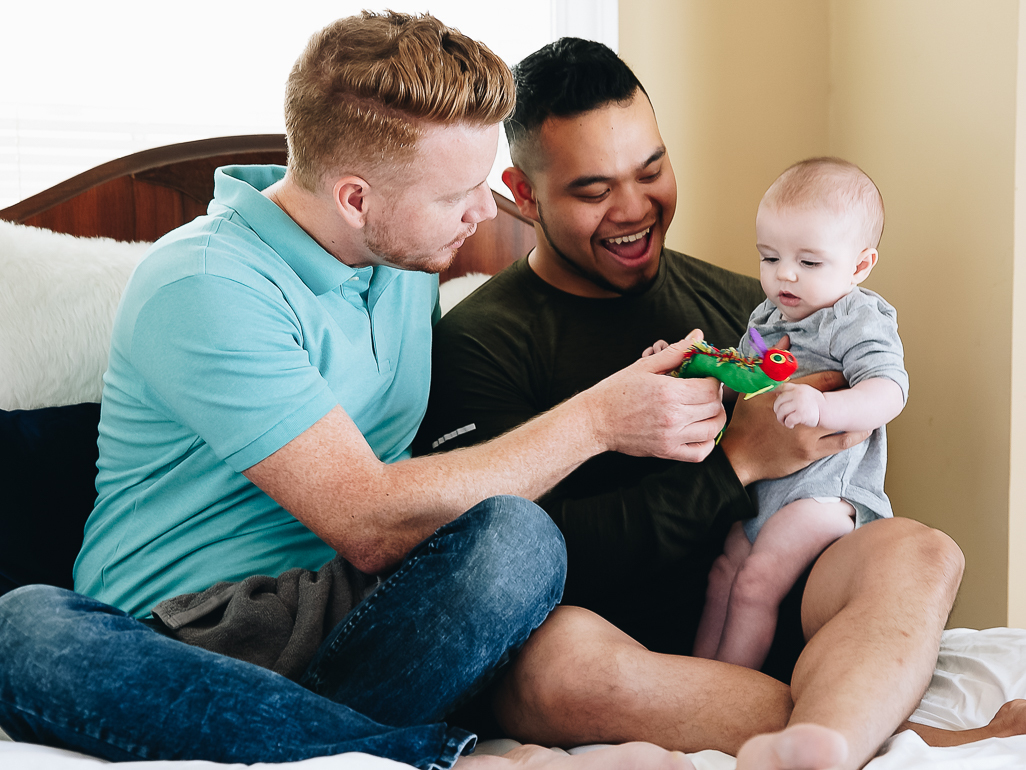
(740,374)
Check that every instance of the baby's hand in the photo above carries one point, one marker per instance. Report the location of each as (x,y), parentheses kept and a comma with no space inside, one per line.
(656,347)
(798,405)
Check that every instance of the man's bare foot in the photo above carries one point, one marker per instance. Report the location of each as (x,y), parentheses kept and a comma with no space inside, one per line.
(800,747)
(1010,720)
(629,756)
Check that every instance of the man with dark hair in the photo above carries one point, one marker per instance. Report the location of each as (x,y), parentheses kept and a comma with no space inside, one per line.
(597,290)
(591,170)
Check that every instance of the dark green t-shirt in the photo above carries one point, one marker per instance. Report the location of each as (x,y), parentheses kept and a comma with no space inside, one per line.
(641,533)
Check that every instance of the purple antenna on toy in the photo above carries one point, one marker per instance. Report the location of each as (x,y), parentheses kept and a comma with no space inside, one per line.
(757,341)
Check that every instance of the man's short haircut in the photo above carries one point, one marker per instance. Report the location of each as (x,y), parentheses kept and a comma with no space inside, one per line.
(367,86)
(836,183)
(565,78)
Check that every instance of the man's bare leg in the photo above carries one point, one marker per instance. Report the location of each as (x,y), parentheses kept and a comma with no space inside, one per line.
(813,747)
(874,608)
(630,756)
(580,680)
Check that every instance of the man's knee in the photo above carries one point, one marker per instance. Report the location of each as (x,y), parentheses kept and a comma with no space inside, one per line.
(515,556)
(934,554)
(901,544)
(32,610)
(896,557)
(36,632)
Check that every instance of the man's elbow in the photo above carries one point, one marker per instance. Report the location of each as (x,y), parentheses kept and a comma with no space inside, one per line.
(370,554)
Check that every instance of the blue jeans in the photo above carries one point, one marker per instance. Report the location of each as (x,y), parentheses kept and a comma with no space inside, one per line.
(78,674)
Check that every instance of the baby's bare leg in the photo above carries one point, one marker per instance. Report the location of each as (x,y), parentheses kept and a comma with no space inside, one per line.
(788,543)
(717,597)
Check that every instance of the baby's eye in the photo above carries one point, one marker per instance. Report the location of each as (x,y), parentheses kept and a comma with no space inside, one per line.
(769,259)
(810,263)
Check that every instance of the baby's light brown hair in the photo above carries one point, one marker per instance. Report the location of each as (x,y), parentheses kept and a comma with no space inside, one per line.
(836,184)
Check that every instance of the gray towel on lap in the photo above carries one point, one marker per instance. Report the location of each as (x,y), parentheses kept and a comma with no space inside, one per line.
(277,623)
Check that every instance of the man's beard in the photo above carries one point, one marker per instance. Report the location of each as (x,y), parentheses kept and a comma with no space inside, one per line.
(381,243)
(589,275)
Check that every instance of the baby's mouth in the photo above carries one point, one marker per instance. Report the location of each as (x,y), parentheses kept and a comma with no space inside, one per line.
(787,298)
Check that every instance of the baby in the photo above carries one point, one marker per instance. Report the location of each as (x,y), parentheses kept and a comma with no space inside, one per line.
(817,230)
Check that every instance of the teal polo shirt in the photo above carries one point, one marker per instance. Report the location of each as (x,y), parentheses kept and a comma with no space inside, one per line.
(236,333)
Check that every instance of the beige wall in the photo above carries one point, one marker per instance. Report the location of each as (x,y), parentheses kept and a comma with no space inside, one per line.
(1017,487)
(922,94)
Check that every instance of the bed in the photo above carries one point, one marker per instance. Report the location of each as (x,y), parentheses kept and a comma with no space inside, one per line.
(65,255)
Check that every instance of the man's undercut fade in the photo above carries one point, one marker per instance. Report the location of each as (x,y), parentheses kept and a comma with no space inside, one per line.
(568,77)
(836,183)
(367,86)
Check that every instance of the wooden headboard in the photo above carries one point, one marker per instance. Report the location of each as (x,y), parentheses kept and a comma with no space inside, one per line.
(144,195)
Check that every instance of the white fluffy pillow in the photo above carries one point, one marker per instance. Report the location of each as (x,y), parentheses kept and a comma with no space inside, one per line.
(58,295)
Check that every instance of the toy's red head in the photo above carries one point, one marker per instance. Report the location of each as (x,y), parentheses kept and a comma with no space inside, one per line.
(779,364)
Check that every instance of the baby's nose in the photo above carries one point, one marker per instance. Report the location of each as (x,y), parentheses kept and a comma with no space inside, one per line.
(786,272)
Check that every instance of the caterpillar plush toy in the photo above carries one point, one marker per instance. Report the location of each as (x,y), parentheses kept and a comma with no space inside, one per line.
(750,376)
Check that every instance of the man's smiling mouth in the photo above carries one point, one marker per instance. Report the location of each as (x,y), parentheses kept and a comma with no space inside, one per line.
(630,250)
(628,238)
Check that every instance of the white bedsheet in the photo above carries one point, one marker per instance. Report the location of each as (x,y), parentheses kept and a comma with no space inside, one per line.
(977,671)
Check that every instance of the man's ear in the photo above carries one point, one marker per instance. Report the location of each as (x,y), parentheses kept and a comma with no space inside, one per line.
(350,195)
(523,191)
(864,266)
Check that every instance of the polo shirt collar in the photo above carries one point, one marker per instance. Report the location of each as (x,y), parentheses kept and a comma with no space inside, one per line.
(239,189)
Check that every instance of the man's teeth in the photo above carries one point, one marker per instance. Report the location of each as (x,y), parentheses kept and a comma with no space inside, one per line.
(630,238)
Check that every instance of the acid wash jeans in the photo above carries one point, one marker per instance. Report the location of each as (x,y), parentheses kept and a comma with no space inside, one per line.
(79,674)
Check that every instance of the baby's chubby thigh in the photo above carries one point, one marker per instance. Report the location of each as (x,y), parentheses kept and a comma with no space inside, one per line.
(792,538)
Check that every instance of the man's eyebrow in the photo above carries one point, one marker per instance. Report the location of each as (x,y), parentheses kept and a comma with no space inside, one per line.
(587,181)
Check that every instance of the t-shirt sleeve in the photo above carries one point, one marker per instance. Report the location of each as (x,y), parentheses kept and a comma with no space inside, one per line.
(228,362)
(479,387)
(868,346)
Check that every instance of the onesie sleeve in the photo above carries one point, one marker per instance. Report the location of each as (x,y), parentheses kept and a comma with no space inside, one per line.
(227,361)
(866,341)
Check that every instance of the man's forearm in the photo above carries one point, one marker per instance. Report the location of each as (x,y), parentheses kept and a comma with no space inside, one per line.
(374,513)
(759,447)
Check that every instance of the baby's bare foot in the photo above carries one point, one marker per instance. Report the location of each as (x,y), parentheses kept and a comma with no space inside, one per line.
(801,747)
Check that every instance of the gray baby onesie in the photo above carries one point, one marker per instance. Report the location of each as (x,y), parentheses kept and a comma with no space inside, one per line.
(859,337)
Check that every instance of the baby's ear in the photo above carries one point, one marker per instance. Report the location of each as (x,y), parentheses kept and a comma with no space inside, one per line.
(865,264)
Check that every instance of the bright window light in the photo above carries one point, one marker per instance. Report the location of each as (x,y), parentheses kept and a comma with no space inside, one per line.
(93,81)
